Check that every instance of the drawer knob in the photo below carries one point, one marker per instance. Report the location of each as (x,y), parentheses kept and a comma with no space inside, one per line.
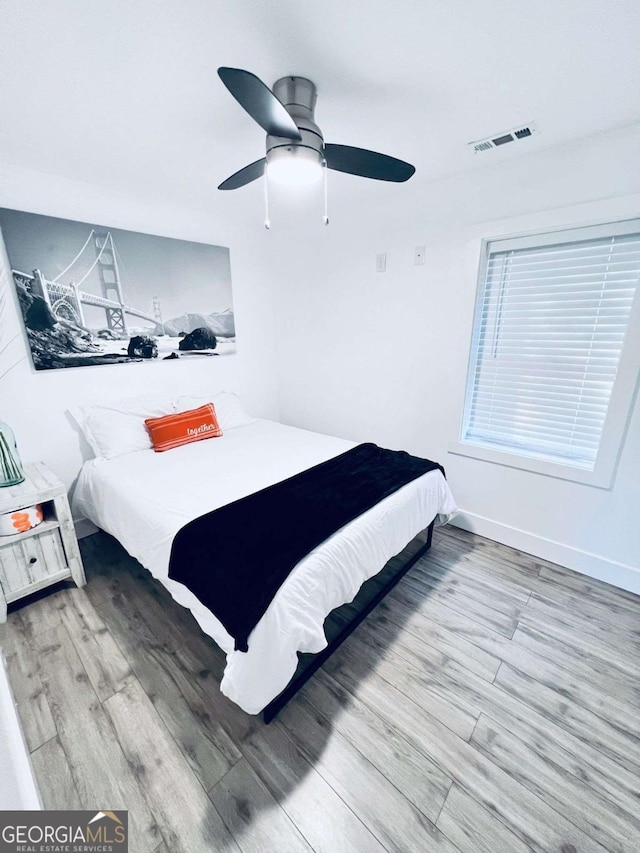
(33,560)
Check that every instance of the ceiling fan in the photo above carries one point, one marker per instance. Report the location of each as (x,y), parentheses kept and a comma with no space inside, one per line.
(296,151)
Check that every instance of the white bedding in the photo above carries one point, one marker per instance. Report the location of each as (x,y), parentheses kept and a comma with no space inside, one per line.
(144,498)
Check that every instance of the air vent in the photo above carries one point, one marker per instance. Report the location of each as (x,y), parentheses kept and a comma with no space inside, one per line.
(517,133)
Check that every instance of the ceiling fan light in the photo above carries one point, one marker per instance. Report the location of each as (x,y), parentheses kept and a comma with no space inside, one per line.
(294,166)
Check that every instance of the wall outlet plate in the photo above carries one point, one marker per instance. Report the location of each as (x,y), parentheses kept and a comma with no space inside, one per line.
(418,255)
(381,262)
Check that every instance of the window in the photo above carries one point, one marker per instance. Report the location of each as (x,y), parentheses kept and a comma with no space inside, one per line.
(552,324)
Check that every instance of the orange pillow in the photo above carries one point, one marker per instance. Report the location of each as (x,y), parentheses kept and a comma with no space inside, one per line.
(171,431)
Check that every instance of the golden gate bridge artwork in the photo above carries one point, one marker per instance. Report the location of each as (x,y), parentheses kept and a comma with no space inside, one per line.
(91,295)
(67,301)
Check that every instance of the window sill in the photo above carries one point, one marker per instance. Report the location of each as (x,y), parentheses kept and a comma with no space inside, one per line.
(601,477)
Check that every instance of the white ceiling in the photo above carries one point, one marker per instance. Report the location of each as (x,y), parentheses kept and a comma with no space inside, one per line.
(124,93)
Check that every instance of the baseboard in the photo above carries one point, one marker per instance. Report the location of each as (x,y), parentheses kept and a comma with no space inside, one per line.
(595,566)
(84,527)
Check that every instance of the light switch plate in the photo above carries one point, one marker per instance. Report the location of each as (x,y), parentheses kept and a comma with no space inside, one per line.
(418,257)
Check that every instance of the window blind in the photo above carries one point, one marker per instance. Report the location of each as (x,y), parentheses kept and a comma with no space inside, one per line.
(550,324)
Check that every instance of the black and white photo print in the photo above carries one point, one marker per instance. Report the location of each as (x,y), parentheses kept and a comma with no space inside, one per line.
(92,295)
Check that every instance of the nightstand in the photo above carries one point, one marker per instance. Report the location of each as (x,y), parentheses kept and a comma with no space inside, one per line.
(46,554)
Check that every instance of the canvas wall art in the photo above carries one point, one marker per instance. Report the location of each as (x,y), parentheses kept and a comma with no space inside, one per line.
(94,295)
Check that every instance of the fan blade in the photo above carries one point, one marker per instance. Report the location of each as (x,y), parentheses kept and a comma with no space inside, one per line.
(260,102)
(250,173)
(368,164)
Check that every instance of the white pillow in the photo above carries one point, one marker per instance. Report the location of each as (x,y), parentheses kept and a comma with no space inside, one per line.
(230,412)
(118,428)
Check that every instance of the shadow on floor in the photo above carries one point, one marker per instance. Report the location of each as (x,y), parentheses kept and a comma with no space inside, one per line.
(180,670)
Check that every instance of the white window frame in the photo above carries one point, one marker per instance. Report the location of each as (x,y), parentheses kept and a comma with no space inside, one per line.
(625,387)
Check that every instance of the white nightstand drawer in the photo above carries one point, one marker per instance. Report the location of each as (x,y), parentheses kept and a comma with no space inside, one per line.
(45,554)
(27,562)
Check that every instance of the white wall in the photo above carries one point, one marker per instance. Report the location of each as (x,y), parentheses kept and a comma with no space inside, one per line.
(18,788)
(35,404)
(383,357)
(331,345)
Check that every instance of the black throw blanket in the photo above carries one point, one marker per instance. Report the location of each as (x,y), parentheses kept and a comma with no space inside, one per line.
(234,559)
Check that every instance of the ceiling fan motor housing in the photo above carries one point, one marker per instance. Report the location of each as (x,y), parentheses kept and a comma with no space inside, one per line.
(298,96)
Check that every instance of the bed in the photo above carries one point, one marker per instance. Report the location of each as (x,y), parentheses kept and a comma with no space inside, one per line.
(144,498)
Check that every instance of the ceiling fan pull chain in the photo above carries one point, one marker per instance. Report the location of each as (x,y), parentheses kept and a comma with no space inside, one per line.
(325,170)
(267,221)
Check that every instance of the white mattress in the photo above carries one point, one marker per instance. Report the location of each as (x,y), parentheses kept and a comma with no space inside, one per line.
(144,498)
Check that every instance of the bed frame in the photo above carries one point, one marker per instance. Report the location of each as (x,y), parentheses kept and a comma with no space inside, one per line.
(343,621)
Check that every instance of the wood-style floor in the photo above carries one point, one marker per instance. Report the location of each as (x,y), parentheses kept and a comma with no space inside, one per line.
(491,704)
